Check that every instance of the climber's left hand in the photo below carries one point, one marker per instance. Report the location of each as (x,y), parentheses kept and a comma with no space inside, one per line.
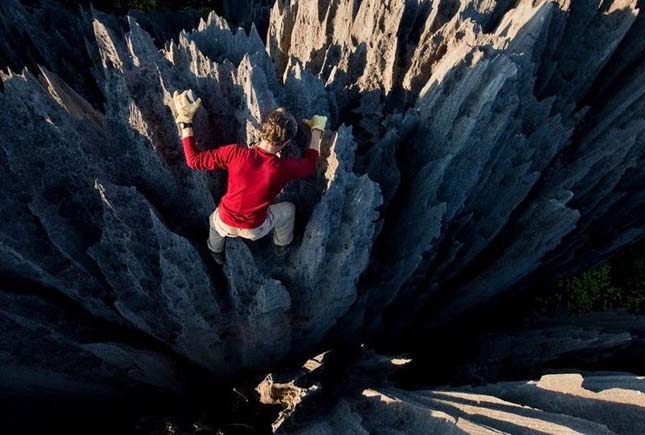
(185,106)
(317,122)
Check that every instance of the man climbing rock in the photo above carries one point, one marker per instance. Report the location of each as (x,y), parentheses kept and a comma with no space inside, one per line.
(256,175)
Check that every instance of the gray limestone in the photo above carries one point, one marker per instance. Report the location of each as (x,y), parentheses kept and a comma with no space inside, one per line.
(117,223)
(473,147)
(566,403)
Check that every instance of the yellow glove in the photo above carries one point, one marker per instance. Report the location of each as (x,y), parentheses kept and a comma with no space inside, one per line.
(185,105)
(317,122)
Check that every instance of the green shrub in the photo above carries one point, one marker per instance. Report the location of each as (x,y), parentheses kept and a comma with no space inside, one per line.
(591,291)
(617,283)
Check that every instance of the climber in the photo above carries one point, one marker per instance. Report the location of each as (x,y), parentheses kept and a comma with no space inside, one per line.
(256,175)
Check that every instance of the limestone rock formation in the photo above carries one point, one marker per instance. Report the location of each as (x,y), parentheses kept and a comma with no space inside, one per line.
(562,403)
(556,404)
(117,223)
(522,350)
(474,148)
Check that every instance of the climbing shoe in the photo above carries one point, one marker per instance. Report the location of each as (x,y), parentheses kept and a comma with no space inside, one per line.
(218,257)
(280,252)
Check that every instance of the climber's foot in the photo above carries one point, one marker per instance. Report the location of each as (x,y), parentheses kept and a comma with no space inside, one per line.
(280,252)
(218,257)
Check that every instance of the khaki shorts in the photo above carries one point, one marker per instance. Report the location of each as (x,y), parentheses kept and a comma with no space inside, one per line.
(280,218)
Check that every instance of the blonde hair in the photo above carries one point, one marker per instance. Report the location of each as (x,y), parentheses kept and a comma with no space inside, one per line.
(278,127)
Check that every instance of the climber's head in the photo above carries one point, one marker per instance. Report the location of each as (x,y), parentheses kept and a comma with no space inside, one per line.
(277,129)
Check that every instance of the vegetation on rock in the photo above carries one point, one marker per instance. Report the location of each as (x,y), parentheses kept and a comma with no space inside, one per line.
(619,282)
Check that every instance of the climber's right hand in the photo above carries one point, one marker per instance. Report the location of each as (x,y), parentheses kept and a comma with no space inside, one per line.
(317,122)
(185,106)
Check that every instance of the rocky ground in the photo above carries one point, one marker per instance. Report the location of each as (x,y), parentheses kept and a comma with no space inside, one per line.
(566,403)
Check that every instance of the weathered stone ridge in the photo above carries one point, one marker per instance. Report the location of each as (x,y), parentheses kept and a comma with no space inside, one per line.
(117,223)
(474,147)
(569,403)
(529,147)
(364,398)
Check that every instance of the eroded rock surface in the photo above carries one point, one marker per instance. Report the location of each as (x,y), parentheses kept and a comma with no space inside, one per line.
(474,147)
(562,403)
(117,223)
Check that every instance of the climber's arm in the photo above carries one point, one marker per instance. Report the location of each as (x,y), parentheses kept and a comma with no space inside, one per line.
(306,166)
(316,138)
(186,132)
(317,125)
(209,159)
(302,167)
(185,107)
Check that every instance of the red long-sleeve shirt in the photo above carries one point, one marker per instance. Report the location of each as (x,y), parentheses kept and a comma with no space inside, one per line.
(255,178)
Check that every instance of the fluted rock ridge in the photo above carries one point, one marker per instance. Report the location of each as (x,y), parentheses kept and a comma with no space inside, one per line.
(474,148)
(556,404)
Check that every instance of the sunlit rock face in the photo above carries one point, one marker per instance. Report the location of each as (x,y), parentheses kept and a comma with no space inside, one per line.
(363,398)
(529,146)
(568,403)
(473,147)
